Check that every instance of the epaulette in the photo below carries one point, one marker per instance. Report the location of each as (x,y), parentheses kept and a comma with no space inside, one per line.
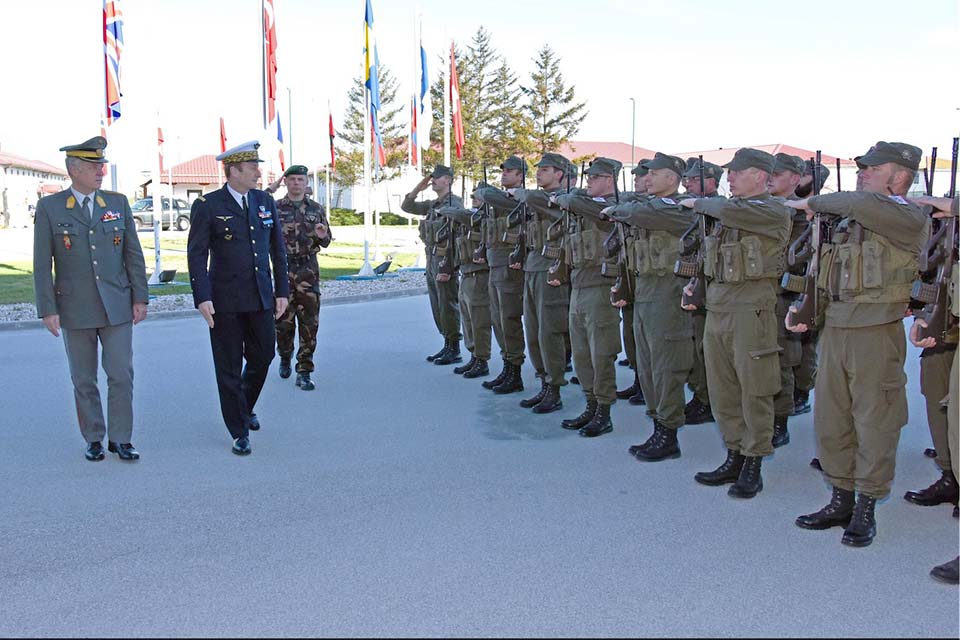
(201,199)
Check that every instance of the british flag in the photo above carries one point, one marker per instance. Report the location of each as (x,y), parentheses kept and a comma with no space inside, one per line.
(112,48)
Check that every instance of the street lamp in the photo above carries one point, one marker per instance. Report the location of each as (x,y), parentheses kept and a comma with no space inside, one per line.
(633,127)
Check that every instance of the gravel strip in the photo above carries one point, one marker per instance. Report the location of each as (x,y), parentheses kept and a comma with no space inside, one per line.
(406,283)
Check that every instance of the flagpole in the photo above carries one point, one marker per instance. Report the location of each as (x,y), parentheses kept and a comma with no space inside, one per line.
(366,269)
(290,124)
(263,66)
(157,214)
(446,109)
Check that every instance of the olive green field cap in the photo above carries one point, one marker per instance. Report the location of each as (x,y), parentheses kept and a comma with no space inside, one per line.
(604,166)
(710,170)
(787,162)
(747,158)
(663,161)
(554,160)
(641,168)
(513,162)
(906,155)
(441,170)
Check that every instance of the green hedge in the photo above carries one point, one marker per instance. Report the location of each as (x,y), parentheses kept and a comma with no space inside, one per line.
(343,217)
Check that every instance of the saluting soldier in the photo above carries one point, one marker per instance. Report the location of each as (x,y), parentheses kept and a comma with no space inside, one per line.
(443,290)
(697,410)
(546,298)
(594,322)
(867,271)
(305,230)
(743,260)
(100,291)
(235,230)
(474,287)
(663,330)
(506,279)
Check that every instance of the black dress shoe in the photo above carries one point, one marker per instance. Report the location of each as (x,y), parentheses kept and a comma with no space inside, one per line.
(124,450)
(241,446)
(94,451)
(624,363)
(304,381)
(948,572)
(930,453)
(254,424)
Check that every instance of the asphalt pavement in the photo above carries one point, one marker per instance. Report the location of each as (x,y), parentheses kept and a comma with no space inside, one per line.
(400,500)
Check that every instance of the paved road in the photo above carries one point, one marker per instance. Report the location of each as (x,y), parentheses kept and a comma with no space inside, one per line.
(398,500)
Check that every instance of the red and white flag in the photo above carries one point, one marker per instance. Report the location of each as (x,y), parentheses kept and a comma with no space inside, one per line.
(223,136)
(455,104)
(270,61)
(333,134)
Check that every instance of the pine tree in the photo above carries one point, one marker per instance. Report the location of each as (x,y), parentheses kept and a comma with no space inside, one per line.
(552,106)
(510,128)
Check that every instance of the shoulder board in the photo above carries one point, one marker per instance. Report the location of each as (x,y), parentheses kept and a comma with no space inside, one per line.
(898,199)
(201,199)
(762,203)
(599,199)
(668,200)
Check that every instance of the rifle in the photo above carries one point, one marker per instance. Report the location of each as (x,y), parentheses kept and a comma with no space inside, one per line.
(941,254)
(806,308)
(517,217)
(621,293)
(690,262)
(476,219)
(445,234)
(558,273)
(838,176)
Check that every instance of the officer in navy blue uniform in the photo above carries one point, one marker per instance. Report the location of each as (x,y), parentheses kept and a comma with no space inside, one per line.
(239,296)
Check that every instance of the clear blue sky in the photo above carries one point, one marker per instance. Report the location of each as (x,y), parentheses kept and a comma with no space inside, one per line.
(836,75)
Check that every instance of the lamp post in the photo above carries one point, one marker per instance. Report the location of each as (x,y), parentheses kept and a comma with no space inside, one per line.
(633,127)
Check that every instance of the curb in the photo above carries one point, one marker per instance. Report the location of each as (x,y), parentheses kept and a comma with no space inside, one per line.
(190,313)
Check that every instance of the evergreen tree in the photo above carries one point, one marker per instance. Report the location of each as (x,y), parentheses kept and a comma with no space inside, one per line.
(552,106)
(510,128)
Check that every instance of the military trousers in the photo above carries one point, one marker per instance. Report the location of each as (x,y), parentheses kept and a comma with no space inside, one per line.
(743,372)
(664,355)
(953,419)
(82,350)
(595,340)
(629,341)
(790,358)
(805,375)
(698,371)
(444,301)
(546,315)
(935,386)
(861,406)
(506,312)
(302,317)
(475,312)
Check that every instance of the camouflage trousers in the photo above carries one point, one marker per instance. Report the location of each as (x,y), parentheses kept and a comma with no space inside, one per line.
(304,310)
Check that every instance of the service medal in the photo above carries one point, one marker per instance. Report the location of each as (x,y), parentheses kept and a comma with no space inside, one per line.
(66,241)
(116,241)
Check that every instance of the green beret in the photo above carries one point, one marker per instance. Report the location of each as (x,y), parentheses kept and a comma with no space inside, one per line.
(901,153)
(641,168)
(554,160)
(710,170)
(787,162)
(296,170)
(513,162)
(90,151)
(663,161)
(441,170)
(747,158)
(604,166)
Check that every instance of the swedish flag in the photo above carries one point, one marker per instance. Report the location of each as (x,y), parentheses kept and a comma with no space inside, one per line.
(372,82)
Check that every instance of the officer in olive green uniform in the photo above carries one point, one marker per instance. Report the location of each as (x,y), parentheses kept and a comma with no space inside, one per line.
(444,292)
(594,321)
(663,330)
(867,271)
(805,374)
(546,299)
(633,394)
(474,286)
(743,258)
(506,274)
(787,171)
(305,231)
(697,410)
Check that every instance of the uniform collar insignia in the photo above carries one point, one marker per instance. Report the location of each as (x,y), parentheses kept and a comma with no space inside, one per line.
(100,201)
(898,199)
(71,202)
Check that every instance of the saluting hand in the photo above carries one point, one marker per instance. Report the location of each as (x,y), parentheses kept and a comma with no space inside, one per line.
(206,310)
(139,312)
(281,307)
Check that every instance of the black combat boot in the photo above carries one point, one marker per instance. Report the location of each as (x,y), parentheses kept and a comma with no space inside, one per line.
(726,473)
(863,525)
(815,463)
(637,398)
(490,384)
(529,403)
(439,353)
(285,369)
(801,402)
(943,490)
(836,514)
(697,413)
(462,369)
(632,390)
(452,355)
(551,400)
(660,446)
(780,434)
(582,419)
(947,572)
(599,424)
(478,370)
(513,382)
(304,381)
(750,482)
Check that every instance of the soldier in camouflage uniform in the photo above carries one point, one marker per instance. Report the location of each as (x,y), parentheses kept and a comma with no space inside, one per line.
(305,230)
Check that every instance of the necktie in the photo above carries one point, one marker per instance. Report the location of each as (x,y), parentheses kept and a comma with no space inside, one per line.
(86,207)
(246,209)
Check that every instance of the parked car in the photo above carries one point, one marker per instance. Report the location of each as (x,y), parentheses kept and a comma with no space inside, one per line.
(178,216)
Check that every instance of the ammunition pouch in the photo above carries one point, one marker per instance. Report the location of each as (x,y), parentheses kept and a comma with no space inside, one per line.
(870,270)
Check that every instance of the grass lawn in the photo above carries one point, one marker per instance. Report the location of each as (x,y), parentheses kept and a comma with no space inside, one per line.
(16,278)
